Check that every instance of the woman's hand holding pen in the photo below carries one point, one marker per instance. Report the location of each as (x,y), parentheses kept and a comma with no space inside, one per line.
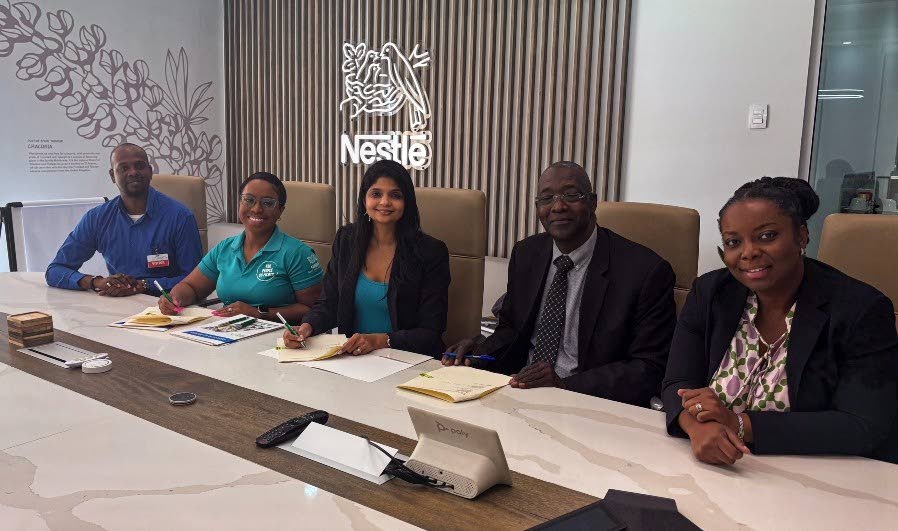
(303,332)
(169,307)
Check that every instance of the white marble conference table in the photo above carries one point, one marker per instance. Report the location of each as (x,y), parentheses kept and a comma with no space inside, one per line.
(70,462)
(581,442)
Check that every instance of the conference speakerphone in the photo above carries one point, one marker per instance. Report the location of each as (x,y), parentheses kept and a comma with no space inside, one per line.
(468,457)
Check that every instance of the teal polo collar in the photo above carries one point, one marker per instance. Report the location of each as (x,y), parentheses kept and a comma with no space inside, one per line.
(274,242)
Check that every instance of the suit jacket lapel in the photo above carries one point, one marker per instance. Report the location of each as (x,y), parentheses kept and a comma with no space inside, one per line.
(728,306)
(346,306)
(593,292)
(535,275)
(392,294)
(807,325)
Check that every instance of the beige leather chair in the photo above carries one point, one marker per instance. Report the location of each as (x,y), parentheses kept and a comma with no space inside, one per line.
(458,218)
(311,216)
(191,192)
(864,246)
(670,231)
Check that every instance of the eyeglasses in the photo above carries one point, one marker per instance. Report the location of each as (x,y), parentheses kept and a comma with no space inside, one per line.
(567,197)
(267,203)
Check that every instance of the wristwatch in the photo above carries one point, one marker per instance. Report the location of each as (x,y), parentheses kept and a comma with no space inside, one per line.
(263,309)
(91,284)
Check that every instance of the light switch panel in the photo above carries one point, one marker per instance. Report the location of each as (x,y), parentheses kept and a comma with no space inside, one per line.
(757,116)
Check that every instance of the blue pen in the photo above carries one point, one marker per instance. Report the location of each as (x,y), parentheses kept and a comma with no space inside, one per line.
(485,357)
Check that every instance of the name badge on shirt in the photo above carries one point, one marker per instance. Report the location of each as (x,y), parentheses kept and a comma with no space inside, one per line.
(157,260)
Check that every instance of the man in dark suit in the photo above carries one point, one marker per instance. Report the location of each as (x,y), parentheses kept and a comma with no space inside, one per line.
(586,309)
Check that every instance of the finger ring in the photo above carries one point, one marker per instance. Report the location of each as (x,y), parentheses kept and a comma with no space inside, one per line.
(108,284)
(358,350)
(698,408)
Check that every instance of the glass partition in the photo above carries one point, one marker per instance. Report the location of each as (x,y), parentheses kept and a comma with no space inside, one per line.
(855,149)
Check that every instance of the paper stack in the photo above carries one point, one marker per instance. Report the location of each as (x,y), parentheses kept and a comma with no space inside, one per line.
(30,329)
(153,319)
(320,347)
(457,383)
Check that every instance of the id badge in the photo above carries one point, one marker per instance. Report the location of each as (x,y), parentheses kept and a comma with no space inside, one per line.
(155,261)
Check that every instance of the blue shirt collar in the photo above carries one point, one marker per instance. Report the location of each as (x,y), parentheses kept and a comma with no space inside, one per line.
(152,202)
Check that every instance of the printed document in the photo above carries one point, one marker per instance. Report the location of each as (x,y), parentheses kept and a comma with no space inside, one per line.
(226,331)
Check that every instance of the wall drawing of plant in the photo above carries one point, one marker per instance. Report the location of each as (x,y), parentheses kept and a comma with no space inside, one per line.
(108,95)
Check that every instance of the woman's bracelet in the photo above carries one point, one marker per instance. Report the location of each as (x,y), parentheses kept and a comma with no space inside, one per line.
(741,432)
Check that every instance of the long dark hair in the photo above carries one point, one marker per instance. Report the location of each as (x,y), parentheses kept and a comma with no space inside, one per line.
(794,197)
(407,228)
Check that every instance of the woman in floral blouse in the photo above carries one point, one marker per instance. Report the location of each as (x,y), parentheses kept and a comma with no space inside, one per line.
(779,353)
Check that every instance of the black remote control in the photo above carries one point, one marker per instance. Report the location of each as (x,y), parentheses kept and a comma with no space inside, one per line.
(291,428)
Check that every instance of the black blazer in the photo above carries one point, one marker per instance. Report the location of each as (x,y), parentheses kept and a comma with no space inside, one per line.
(627,317)
(842,364)
(418,304)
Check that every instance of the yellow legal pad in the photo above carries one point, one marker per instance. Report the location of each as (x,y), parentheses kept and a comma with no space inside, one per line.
(456,383)
(320,347)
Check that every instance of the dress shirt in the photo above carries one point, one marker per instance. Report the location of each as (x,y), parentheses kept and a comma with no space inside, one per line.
(568,355)
(167,227)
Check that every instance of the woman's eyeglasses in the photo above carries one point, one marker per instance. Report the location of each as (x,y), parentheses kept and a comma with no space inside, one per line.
(267,203)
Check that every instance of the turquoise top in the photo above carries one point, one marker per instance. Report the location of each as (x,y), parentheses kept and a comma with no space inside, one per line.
(283,266)
(372,316)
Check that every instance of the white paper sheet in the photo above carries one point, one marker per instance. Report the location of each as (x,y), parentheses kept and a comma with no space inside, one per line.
(368,368)
(343,451)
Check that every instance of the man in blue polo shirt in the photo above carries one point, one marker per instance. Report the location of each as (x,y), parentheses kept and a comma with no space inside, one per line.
(143,235)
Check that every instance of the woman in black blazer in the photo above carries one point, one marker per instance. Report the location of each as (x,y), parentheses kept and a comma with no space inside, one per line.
(778,353)
(387,284)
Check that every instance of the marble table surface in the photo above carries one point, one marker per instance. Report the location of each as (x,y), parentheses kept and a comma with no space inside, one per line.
(70,462)
(582,442)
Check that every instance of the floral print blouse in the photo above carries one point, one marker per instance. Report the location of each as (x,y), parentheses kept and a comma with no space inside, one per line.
(747,380)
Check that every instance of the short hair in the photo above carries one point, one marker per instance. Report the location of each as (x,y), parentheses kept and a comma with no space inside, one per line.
(124,145)
(583,180)
(269,178)
(794,197)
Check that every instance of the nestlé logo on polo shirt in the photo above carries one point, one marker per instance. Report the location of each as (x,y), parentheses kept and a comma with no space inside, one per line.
(266,271)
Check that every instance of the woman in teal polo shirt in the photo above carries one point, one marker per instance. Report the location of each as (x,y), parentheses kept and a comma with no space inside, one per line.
(261,271)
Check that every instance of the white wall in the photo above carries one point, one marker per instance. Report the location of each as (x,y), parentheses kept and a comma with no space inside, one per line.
(138,29)
(695,66)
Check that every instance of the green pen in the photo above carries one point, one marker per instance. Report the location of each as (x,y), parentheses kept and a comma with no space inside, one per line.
(290,328)
(166,295)
(244,323)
